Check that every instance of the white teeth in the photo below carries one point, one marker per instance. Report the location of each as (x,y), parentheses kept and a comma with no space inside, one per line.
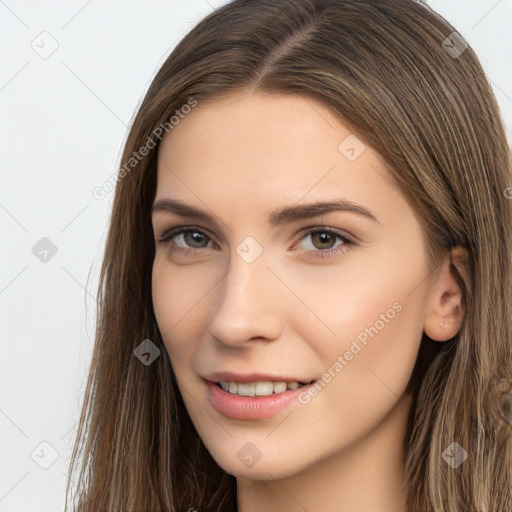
(246,388)
(264,388)
(260,388)
(280,387)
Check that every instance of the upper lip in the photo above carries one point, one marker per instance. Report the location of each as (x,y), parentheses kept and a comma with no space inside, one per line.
(252,377)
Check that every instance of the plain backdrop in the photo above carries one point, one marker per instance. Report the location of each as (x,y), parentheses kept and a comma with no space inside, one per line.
(72,74)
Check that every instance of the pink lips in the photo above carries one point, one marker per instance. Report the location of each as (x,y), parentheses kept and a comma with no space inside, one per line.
(248,407)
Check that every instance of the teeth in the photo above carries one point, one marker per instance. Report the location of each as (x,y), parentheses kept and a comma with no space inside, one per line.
(260,388)
(263,388)
(280,387)
(246,389)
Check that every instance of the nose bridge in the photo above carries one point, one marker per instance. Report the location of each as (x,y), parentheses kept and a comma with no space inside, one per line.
(247,300)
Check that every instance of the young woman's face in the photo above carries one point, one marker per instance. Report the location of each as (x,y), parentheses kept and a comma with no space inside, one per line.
(267,288)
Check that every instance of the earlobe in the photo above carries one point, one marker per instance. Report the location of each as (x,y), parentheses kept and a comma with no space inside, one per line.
(443,315)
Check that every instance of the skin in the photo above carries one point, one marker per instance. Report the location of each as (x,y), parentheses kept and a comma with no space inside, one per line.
(289,312)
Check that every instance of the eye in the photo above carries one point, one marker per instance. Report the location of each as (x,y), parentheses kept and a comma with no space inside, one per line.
(181,238)
(190,240)
(322,239)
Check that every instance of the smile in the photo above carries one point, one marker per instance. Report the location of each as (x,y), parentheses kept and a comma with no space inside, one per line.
(259,388)
(253,400)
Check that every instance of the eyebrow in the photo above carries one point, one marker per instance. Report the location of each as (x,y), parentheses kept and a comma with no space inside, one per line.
(276,217)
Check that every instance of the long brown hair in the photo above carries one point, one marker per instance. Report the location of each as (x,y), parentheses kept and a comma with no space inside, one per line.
(397,75)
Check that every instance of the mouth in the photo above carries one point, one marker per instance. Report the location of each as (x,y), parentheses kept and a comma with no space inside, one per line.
(260,388)
(256,400)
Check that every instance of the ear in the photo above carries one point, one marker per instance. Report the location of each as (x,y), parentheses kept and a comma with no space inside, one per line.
(443,314)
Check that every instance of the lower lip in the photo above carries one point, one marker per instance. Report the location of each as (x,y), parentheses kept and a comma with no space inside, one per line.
(251,407)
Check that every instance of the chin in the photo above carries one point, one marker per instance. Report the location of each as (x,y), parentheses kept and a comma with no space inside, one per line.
(252,461)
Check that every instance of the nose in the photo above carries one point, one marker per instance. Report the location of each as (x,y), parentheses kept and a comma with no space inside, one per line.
(250,304)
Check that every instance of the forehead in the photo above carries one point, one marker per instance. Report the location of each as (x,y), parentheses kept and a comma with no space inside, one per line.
(262,127)
(260,149)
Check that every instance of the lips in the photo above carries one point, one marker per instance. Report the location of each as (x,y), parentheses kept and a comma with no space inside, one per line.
(256,377)
(254,395)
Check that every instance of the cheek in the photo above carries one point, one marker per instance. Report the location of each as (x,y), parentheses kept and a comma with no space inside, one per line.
(370,297)
(370,380)
(378,325)
(381,355)
(177,297)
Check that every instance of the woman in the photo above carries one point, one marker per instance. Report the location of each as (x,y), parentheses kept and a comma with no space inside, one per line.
(305,293)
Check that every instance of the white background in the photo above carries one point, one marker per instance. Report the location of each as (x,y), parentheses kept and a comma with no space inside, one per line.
(63,120)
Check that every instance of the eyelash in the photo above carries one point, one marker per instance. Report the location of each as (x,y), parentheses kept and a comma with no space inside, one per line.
(347,242)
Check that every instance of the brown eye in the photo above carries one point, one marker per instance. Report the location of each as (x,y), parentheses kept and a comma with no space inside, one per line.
(323,243)
(323,239)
